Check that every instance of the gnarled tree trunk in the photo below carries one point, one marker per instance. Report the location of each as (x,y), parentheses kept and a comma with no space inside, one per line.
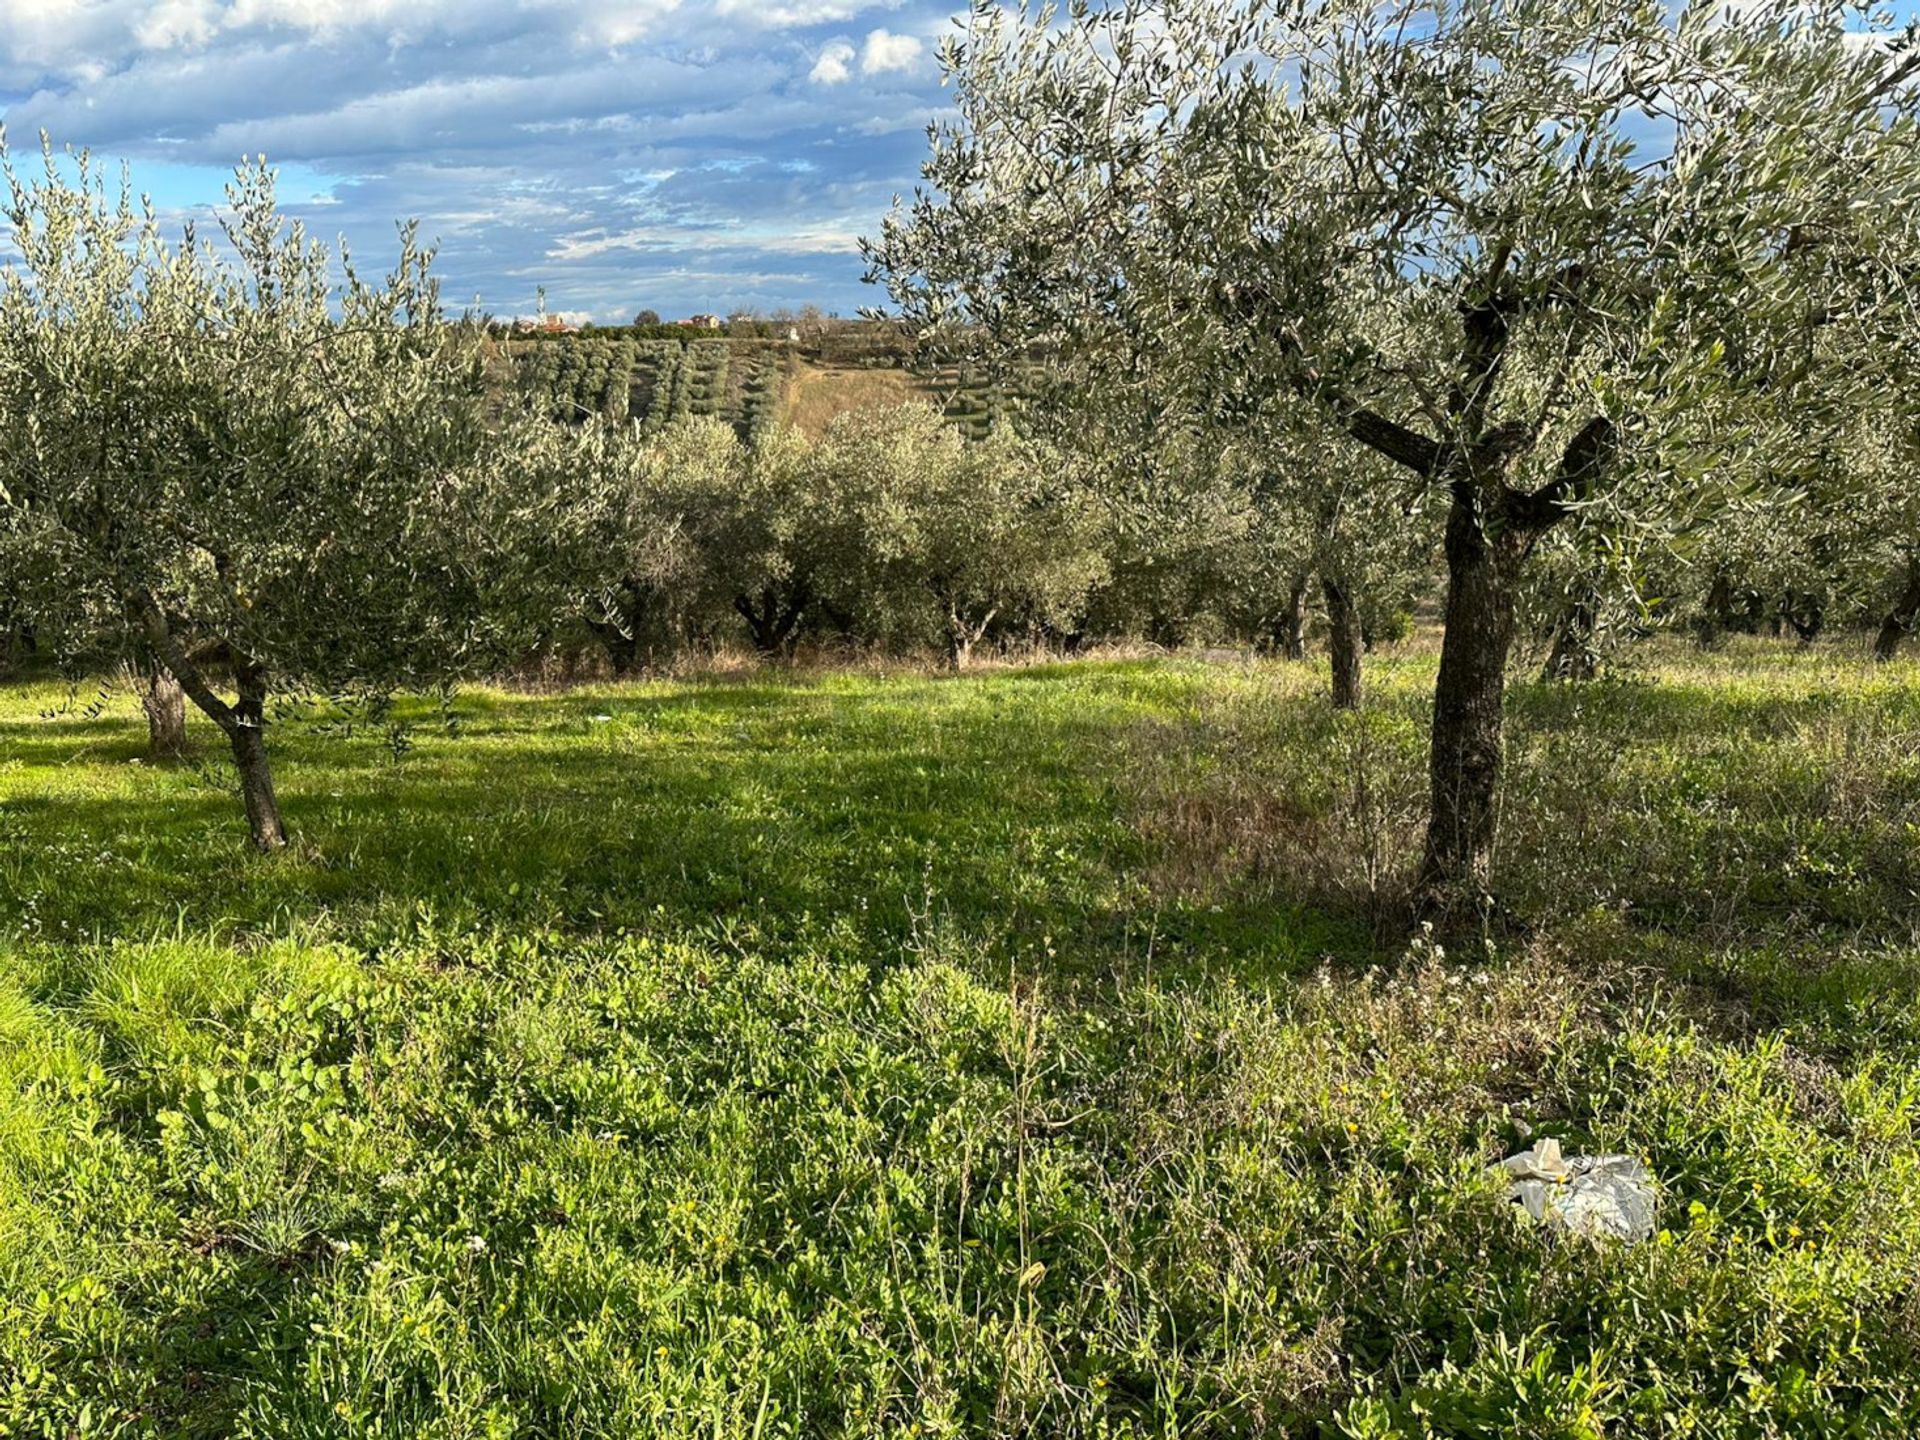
(1468,705)
(244,722)
(248,737)
(1902,618)
(1805,613)
(1485,557)
(773,618)
(165,704)
(1345,644)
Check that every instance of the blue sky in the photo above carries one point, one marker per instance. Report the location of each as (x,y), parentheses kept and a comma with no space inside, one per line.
(677,154)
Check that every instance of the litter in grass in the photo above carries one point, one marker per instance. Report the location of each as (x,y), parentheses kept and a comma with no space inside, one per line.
(1599,1197)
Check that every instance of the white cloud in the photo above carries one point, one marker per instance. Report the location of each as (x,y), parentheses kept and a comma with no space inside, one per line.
(794,13)
(666,153)
(177,22)
(834,67)
(916,119)
(886,51)
(764,239)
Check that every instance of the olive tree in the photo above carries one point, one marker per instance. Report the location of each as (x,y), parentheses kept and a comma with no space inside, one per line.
(1859,540)
(1899,548)
(756,518)
(934,536)
(652,587)
(1519,250)
(253,465)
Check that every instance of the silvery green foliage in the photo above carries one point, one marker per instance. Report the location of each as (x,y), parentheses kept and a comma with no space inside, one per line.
(685,526)
(891,528)
(1462,233)
(930,537)
(1561,262)
(254,452)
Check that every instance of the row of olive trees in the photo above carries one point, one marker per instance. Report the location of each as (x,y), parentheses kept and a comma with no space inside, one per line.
(253,475)
(891,530)
(1596,266)
(1812,533)
(894,532)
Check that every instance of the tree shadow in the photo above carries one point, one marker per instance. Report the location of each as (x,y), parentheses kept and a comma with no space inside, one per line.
(770,808)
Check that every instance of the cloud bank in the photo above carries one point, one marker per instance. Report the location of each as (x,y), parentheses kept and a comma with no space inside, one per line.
(677,155)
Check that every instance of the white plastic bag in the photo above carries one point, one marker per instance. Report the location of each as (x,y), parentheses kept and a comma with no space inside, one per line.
(1599,1197)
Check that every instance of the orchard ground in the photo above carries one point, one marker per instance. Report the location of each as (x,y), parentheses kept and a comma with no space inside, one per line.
(1031,1052)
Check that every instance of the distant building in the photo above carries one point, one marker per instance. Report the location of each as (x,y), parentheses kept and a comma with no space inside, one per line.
(702,322)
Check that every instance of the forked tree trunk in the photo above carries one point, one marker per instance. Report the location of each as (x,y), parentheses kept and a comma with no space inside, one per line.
(165,704)
(1345,644)
(1805,614)
(1290,630)
(1482,570)
(773,619)
(1902,618)
(244,722)
(1573,655)
(962,636)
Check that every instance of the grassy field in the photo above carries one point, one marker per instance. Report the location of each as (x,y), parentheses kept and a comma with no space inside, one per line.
(1030,1053)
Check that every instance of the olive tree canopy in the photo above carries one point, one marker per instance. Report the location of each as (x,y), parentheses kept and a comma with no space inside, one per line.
(1531,252)
(253,465)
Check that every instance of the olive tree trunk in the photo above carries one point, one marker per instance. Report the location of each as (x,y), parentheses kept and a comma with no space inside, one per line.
(962,635)
(1710,622)
(1290,629)
(1345,642)
(1902,618)
(1805,614)
(1467,742)
(248,737)
(165,704)
(244,722)
(773,617)
(1573,656)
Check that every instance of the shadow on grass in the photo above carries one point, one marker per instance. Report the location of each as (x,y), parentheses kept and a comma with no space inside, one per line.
(880,806)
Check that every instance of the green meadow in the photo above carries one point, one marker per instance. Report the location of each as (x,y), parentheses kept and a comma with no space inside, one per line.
(1034,1052)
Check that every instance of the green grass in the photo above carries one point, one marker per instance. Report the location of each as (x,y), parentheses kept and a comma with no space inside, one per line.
(1020,1054)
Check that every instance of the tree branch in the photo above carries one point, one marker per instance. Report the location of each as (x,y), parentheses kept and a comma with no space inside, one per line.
(1372,429)
(160,636)
(1585,459)
(1381,435)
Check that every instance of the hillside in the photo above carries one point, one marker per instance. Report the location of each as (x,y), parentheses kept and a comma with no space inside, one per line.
(753,383)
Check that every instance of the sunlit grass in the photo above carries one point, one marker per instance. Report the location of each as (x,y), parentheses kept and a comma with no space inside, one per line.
(1027,1053)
